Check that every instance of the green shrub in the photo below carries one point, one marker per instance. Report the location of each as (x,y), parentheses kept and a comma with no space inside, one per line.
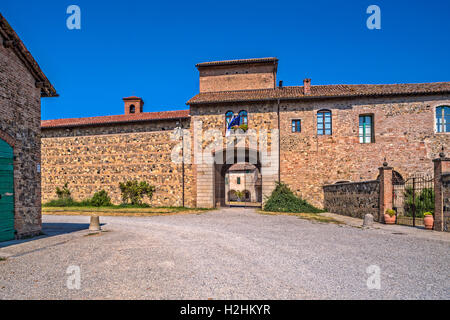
(101,199)
(390,212)
(283,199)
(423,202)
(134,191)
(63,193)
(427,214)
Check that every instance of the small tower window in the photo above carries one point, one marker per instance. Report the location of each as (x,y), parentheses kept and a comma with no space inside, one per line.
(132,109)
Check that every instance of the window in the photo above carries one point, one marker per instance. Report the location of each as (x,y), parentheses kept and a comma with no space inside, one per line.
(244,117)
(132,109)
(324,125)
(296,125)
(228,117)
(443,119)
(238,180)
(366,129)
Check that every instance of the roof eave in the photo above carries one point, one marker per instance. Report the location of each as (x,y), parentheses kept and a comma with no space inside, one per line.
(110,123)
(318,97)
(12,40)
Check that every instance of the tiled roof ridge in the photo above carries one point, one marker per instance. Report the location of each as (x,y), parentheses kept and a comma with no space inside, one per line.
(236,61)
(123,118)
(321,91)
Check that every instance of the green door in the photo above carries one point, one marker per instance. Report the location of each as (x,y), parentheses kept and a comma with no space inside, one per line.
(6,192)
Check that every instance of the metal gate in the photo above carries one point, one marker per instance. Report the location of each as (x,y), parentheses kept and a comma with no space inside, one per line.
(412,198)
(6,192)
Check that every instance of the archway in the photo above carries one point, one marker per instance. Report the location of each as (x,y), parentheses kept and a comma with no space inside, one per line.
(237,178)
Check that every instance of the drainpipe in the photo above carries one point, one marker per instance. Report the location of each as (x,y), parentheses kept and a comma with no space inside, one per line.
(279,141)
(182,160)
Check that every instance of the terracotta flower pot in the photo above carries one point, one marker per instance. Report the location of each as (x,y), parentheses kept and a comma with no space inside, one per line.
(428,221)
(388,219)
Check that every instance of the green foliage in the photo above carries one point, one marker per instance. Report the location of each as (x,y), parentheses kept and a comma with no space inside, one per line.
(63,193)
(240,195)
(243,127)
(427,214)
(67,202)
(283,199)
(101,199)
(390,212)
(424,201)
(134,191)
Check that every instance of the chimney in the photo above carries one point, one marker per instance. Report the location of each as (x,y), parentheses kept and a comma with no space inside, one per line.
(307,87)
(133,105)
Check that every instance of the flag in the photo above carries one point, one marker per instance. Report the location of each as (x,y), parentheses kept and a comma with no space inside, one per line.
(236,121)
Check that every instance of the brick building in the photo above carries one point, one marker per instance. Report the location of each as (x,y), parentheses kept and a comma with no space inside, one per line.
(22,84)
(327,133)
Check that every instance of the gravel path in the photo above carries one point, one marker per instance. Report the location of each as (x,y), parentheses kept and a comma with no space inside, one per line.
(223,254)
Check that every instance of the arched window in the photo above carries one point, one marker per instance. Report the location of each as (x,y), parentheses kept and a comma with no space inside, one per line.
(443,119)
(132,109)
(324,122)
(228,117)
(244,117)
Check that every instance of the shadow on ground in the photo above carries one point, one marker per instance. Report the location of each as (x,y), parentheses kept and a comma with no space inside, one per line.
(51,229)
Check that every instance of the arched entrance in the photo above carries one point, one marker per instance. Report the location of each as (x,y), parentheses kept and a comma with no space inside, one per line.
(243,185)
(237,178)
(6,191)
(211,174)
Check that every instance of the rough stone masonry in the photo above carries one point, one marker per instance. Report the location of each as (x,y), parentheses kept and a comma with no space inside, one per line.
(97,153)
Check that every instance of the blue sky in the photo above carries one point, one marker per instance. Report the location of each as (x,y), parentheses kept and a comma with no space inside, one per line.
(150,48)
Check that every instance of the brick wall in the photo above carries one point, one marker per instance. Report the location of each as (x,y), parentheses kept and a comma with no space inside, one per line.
(353,199)
(20,116)
(99,157)
(237,77)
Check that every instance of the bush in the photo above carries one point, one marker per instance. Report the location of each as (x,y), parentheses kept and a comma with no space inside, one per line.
(390,212)
(283,199)
(134,191)
(63,193)
(423,201)
(101,199)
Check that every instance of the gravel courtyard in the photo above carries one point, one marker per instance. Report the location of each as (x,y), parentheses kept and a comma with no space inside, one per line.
(222,254)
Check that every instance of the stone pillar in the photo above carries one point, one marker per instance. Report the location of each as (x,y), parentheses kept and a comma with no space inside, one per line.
(386,190)
(205,185)
(441,165)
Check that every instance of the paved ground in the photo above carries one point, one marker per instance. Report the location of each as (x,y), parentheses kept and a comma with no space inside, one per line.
(223,254)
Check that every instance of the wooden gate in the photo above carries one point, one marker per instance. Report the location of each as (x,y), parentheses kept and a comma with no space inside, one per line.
(6,192)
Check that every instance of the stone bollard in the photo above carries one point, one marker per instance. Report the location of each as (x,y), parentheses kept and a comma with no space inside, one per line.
(368,220)
(95,223)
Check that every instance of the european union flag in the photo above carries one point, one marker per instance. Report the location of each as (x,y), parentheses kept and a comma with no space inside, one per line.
(236,121)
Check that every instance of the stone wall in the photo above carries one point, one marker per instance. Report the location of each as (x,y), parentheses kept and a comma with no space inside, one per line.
(20,117)
(404,132)
(100,157)
(353,199)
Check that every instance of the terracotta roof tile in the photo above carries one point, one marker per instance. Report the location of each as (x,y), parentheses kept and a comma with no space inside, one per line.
(239,61)
(322,91)
(123,118)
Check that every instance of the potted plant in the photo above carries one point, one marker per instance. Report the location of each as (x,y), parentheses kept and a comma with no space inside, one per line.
(428,220)
(389,216)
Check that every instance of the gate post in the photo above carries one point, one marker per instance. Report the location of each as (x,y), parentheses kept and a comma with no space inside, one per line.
(441,165)
(386,190)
